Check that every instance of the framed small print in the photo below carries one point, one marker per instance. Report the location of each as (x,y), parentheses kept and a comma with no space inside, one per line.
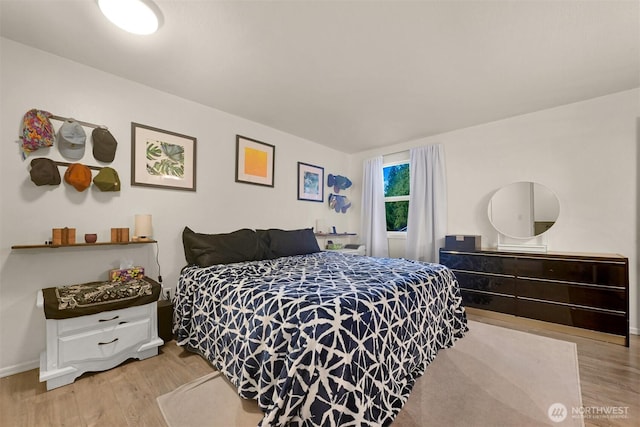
(255,161)
(161,158)
(310,182)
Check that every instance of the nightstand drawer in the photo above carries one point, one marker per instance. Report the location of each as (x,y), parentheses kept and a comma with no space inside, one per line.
(102,319)
(104,343)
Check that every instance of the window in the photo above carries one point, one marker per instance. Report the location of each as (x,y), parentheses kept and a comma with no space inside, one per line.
(396,195)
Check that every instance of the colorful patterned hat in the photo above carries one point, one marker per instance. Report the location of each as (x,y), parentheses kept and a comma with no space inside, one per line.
(37,131)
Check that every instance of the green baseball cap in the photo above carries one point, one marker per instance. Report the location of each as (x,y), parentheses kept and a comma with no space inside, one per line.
(107,180)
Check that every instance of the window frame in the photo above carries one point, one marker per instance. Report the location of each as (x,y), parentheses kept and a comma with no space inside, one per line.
(396,234)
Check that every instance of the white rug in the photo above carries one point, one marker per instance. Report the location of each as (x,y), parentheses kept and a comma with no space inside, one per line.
(492,377)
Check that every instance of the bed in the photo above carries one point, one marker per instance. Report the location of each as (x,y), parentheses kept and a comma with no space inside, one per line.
(316,338)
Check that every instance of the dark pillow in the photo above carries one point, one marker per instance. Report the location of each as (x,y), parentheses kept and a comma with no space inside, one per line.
(265,241)
(292,242)
(210,249)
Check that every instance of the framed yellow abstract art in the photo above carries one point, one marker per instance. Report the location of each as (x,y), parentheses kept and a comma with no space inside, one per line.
(255,161)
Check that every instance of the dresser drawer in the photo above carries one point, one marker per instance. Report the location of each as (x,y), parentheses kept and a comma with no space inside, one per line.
(579,271)
(486,282)
(488,301)
(102,319)
(480,262)
(575,294)
(602,321)
(103,343)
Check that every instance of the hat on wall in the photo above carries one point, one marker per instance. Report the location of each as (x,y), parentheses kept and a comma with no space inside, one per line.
(79,176)
(71,140)
(37,131)
(104,145)
(107,180)
(44,172)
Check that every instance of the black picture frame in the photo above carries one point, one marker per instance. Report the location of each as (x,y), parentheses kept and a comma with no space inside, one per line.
(310,182)
(162,159)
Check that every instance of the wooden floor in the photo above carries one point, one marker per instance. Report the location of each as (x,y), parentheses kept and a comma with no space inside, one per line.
(126,395)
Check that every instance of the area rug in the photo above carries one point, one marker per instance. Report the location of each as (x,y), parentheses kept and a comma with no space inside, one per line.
(492,377)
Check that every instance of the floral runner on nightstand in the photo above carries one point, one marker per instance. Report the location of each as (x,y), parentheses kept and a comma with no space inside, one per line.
(93,297)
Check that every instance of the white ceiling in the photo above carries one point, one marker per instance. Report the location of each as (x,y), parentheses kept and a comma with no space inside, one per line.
(361,74)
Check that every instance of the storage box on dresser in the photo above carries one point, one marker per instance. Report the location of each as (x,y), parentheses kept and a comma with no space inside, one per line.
(97,342)
(587,291)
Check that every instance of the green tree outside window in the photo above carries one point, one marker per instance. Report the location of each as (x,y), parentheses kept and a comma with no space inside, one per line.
(396,192)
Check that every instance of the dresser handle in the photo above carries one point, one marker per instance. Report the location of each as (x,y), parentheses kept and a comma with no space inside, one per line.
(108,320)
(110,342)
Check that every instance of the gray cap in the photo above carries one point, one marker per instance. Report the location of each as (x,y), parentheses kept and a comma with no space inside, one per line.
(71,140)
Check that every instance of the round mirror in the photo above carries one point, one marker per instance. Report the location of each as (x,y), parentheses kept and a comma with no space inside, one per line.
(523,210)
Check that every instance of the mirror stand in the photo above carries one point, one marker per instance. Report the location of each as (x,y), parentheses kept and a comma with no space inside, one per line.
(539,246)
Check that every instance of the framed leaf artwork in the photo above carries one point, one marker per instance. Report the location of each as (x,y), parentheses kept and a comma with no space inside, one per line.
(255,161)
(161,158)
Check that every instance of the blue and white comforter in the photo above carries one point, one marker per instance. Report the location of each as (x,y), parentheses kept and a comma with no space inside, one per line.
(324,339)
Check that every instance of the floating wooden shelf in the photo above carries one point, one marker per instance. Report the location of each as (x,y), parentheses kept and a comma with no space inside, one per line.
(335,234)
(137,242)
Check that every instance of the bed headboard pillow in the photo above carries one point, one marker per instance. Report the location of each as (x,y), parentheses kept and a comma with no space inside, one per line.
(205,250)
(290,242)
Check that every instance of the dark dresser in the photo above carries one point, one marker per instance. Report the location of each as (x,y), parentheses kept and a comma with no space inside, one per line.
(587,291)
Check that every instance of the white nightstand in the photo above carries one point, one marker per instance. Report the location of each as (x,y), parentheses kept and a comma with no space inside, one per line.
(359,250)
(97,342)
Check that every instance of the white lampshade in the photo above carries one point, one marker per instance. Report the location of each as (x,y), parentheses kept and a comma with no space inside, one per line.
(143,229)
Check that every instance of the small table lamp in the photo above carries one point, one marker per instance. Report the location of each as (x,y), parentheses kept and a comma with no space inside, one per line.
(143,228)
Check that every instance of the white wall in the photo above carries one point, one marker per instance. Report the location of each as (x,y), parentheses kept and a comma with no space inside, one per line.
(585,152)
(35,79)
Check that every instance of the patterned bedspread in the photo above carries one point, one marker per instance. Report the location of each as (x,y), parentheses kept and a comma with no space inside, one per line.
(324,339)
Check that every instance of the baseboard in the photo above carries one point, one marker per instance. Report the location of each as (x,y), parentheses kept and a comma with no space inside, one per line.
(16,369)
(634,331)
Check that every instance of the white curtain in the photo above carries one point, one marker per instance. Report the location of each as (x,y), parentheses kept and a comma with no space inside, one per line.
(427,220)
(374,222)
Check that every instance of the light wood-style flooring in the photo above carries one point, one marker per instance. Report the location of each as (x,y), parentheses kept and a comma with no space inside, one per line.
(126,395)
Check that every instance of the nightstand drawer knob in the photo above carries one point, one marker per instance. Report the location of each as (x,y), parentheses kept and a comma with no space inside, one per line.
(110,342)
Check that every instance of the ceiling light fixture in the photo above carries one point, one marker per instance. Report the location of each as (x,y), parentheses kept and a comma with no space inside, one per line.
(135,16)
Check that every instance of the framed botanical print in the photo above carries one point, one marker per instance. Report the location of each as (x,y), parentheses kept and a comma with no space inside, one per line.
(161,158)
